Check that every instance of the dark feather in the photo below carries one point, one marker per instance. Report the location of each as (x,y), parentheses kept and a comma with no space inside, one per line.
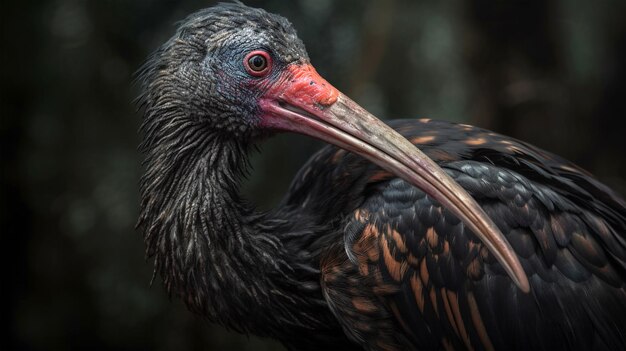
(566,228)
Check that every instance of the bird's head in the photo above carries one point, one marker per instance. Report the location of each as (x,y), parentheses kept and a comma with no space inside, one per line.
(219,66)
(241,72)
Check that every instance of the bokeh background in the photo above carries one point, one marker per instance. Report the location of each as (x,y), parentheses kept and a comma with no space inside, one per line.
(73,272)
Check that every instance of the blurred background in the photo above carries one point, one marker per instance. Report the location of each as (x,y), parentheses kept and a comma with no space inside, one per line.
(74,275)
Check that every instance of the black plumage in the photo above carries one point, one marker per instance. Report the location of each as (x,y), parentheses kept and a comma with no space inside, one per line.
(355,256)
(442,286)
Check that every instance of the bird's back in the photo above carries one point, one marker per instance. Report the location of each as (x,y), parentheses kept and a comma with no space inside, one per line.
(406,272)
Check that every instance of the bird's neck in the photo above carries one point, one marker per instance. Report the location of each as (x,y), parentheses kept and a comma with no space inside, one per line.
(224,261)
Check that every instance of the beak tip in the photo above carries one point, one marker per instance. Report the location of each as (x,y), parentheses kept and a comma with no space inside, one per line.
(523,283)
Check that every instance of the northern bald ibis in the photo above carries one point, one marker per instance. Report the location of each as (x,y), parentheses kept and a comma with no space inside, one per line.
(413,235)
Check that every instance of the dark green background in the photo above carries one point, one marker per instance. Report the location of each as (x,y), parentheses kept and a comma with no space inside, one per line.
(73,269)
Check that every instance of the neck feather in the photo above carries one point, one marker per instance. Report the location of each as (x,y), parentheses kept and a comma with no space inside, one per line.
(210,249)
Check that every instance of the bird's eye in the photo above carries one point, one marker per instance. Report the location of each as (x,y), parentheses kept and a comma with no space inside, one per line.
(257,63)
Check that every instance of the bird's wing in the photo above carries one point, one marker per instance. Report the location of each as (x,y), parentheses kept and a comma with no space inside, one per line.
(416,267)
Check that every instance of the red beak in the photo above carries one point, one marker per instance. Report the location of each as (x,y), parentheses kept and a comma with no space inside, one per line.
(303,102)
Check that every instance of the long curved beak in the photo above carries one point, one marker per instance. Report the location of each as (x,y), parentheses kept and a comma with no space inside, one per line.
(303,102)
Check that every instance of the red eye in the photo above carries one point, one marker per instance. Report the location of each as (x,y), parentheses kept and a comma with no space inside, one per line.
(257,63)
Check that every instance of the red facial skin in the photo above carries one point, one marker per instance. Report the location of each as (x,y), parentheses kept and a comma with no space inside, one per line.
(307,87)
(298,86)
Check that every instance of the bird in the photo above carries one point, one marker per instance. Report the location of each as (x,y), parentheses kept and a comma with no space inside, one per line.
(411,235)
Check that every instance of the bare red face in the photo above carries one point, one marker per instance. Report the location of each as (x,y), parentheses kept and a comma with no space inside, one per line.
(302,101)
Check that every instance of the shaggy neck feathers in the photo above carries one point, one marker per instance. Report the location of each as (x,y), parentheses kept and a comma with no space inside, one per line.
(210,249)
